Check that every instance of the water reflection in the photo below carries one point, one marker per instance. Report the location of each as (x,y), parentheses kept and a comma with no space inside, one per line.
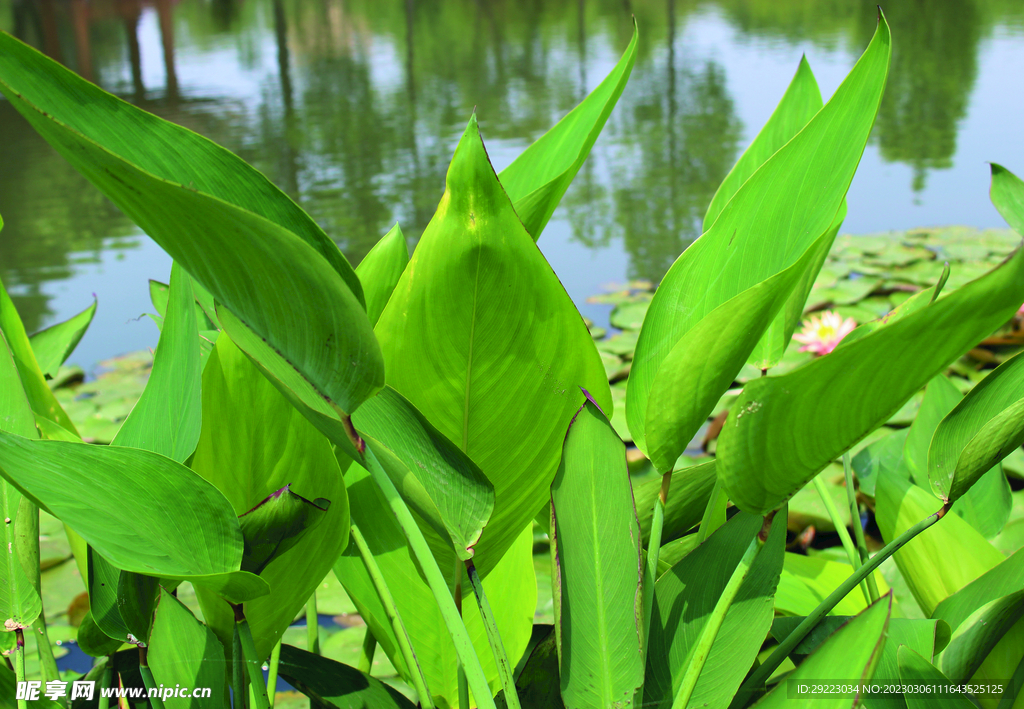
(354,106)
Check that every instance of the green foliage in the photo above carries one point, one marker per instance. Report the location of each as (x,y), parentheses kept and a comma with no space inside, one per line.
(427,409)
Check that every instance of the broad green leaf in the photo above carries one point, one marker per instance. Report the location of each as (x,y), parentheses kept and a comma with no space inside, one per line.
(254,443)
(1004,578)
(978,634)
(986,506)
(707,358)
(168,415)
(537,179)
(331,684)
(183,651)
(879,458)
(55,344)
(982,430)
(599,564)
(276,525)
(136,601)
(435,477)
(806,581)
(688,495)
(1008,197)
(20,604)
(942,559)
(511,588)
(101,582)
(380,270)
(93,641)
(798,105)
(176,526)
(848,658)
(916,670)
(159,294)
(538,683)
(236,234)
(773,219)
(686,595)
(783,430)
(483,340)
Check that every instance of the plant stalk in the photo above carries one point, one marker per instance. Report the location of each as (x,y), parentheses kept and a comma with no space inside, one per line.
(463,684)
(701,651)
(858,528)
(237,672)
(651,569)
(155,700)
(391,610)
(366,652)
(705,530)
(252,661)
(19,663)
(27,533)
(756,681)
(841,530)
(275,662)
(105,679)
(312,626)
(475,676)
(508,682)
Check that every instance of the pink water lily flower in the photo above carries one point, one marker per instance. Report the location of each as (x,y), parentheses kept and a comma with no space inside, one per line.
(822,335)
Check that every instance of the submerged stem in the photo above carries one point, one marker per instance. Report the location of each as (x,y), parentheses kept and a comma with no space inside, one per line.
(505,668)
(841,530)
(858,528)
(756,681)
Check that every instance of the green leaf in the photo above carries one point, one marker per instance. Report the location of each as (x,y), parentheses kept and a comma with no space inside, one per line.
(916,670)
(328,683)
(1008,197)
(1002,579)
(706,359)
(380,270)
(771,222)
(599,565)
(435,477)
(798,105)
(102,581)
(55,344)
(168,416)
(254,443)
(276,525)
(537,179)
(806,581)
(689,492)
(978,634)
(848,658)
(785,429)
(93,641)
(484,341)
(136,601)
(261,257)
(511,588)
(183,651)
(879,458)
(982,430)
(686,595)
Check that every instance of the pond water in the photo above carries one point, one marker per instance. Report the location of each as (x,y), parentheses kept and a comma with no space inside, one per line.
(353,107)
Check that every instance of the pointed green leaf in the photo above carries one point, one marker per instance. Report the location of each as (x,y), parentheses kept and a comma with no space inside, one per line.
(261,257)
(599,562)
(55,344)
(276,525)
(434,476)
(686,595)
(331,684)
(93,641)
(983,429)
(183,651)
(537,179)
(1008,197)
(978,634)
(773,219)
(380,270)
(252,444)
(783,430)
(689,492)
(481,337)
(848,658)
(916,670)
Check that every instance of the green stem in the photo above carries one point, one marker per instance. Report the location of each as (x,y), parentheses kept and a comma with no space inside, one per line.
(391,610)
(237,671)
(19,663)
(841,530)
(756,681)
(475,676)
(699,654)
(27,532)
(252,662)
(508,682)
(367,651)
(707,521)
(312,626)
(858,528)
(460,670)
(463,688)
(155,700)
(105,679)
(651,569)
(275,662)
